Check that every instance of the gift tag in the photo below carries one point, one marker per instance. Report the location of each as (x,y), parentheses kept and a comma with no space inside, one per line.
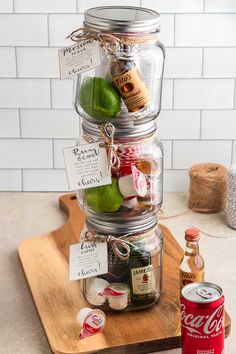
(88,259)
(78,58)
(86,166)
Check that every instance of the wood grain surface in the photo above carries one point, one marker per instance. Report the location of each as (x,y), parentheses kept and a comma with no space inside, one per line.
(58,300)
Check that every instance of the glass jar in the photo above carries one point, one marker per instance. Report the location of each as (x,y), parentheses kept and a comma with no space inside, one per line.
(134,277)
(137,182)
(126,88)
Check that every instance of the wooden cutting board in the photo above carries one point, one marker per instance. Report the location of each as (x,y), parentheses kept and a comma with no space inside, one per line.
(45,262)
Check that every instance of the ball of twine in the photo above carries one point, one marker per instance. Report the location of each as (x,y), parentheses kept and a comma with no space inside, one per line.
(208,186)
(231,197)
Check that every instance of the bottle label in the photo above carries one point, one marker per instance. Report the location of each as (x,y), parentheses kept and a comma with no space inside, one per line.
(132,89)
(187,277)
(142,280)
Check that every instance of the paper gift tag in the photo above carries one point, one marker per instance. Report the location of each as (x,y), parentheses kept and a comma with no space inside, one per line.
(88,259)
(86,166)
(78,58)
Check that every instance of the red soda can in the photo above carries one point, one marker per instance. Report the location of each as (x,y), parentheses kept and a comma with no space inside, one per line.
(202,319)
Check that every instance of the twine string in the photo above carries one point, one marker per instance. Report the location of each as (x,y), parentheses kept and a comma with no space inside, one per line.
(108,131)
(108,41)
(231,200)
(115,242)
(207,190)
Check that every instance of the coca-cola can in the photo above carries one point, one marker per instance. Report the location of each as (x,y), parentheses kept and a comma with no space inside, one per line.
(202,319)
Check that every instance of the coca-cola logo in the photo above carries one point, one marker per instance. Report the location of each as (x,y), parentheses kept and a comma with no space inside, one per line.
(200,324)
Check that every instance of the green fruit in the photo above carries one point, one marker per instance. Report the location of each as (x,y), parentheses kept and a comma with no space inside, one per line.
(99,98)
(104,199)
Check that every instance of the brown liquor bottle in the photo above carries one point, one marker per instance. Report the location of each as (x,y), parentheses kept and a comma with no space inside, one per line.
(128,81)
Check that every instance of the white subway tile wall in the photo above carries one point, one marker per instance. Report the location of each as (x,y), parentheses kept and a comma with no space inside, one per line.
(58,146)
(37,62)
(198,118)
(9,123)
(61,93)
(7,62)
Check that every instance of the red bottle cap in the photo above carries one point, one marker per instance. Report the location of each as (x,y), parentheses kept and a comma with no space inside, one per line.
(192,234)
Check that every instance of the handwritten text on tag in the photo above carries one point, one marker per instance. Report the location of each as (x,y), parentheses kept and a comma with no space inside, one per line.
(88,259)
(78,58)
(86,166)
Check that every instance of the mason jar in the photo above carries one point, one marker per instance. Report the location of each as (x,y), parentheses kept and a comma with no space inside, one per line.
(136,188)
(135,257)
(126,87)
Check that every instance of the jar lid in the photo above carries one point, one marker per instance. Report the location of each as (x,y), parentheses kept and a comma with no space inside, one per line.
(126,132)
(121,227)
(122,19)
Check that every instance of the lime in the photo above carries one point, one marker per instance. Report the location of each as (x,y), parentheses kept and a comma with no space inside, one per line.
(104,199)
(99,98)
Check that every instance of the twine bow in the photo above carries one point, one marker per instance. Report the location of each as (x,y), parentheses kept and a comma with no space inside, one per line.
(115,242)
(109,42)
(108,131)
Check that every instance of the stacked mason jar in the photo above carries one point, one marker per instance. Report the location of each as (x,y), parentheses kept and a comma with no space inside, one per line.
(118,103)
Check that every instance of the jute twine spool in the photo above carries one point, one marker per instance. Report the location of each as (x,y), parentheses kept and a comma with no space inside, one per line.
(231,197)
(208,186)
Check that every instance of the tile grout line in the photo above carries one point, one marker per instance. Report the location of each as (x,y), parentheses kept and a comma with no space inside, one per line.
(13,6)
(204,6)
(76,6)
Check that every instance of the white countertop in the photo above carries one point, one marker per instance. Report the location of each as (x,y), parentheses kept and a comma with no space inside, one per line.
(24,215)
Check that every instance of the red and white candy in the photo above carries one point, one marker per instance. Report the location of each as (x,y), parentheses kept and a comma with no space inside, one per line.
(134,184)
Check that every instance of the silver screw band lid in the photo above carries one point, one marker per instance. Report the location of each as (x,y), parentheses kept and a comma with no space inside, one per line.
(122,19)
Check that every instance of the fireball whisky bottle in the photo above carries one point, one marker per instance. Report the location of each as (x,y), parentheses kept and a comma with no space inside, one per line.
(192,264)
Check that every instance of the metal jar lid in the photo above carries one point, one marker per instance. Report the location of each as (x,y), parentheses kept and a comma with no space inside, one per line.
(127,132)
(122,19)
(202,292)
(121,228)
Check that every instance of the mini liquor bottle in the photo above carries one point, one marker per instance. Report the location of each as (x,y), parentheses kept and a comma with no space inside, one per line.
(128,81)
(192,264)
(142,280)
